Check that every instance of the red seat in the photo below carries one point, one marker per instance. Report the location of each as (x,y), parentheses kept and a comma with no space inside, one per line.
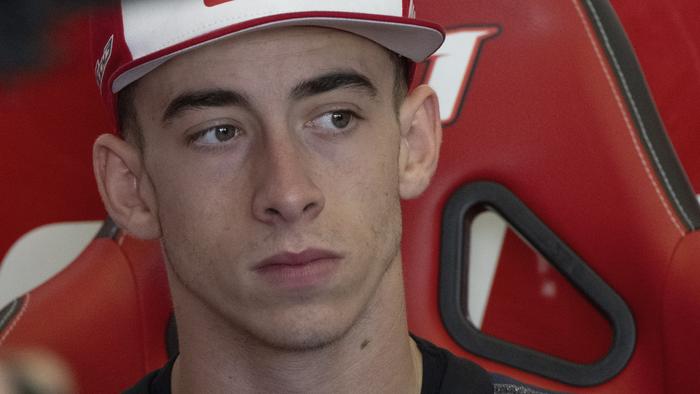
(554,109)
(106,314)
(557,112)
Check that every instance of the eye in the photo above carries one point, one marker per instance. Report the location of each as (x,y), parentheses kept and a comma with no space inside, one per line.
(216,134)
(340,120)
(334,122)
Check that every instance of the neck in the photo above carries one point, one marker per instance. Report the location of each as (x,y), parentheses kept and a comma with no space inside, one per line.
(218,358)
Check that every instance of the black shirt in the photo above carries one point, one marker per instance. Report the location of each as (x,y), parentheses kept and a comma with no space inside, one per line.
(443,373)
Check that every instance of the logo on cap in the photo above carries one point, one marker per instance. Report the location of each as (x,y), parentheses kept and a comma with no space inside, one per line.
(101,64)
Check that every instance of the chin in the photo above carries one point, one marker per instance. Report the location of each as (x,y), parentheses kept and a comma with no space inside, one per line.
(302,342)
(303,335)
(316,323)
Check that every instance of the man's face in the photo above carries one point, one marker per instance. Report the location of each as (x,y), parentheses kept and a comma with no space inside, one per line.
(273,159)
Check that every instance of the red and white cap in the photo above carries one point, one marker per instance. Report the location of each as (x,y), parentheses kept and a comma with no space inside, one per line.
(140,35)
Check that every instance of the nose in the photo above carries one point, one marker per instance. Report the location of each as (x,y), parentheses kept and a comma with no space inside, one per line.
(285,191)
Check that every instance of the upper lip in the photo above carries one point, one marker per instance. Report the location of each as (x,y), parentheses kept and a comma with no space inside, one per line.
(290,258)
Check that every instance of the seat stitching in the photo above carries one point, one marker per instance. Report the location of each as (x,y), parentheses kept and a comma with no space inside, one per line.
(637,115)
(14,323)
(628,123)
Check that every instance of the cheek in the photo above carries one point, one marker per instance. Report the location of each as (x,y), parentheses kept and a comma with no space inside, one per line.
(195,200)
(198,225)
(372,169)
(365,186)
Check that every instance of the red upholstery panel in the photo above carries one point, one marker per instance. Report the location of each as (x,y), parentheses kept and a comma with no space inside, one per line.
(544,117)
(148,267)
(666,37)
(106,315)
(681,318)
(49,119)
(584,336)
(90,315)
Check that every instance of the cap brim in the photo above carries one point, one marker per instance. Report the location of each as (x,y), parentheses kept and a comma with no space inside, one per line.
(413,39)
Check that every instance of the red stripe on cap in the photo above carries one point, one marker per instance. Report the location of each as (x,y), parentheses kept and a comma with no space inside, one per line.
(214,3)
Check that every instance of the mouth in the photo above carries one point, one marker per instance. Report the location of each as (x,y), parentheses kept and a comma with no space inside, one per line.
(310,267)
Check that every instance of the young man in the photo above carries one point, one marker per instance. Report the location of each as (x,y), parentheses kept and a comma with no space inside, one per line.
(267,145)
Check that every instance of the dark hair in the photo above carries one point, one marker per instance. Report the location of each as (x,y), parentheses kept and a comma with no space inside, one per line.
(402,76)
(130,130)
(127,123)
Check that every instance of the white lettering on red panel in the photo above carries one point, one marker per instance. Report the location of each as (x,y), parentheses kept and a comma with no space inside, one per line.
(452,66)
(101,64)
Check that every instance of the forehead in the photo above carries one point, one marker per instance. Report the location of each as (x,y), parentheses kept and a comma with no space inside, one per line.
(275,59)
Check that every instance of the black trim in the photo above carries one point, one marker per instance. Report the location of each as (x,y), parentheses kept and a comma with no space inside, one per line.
(10,311)
(471,198)
(109,229)
(651,130)
(171,343)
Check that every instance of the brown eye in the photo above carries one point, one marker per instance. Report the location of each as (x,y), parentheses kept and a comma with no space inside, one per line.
(225,133)
(341,120)
(335,122)
(217,134)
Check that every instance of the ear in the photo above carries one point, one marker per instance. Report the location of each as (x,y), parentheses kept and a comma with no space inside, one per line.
(421,136)
(125,188)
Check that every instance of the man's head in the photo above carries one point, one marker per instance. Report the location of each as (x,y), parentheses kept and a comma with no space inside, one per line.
(271,169)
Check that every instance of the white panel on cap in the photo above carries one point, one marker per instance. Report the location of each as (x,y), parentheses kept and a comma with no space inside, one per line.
(151,25)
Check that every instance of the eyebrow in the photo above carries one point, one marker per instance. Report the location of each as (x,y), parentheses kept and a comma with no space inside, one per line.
(203,99)
(222,97)
(332,81)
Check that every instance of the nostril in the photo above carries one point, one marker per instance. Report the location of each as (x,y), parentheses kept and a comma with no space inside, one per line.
(272,212)
(309,207)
